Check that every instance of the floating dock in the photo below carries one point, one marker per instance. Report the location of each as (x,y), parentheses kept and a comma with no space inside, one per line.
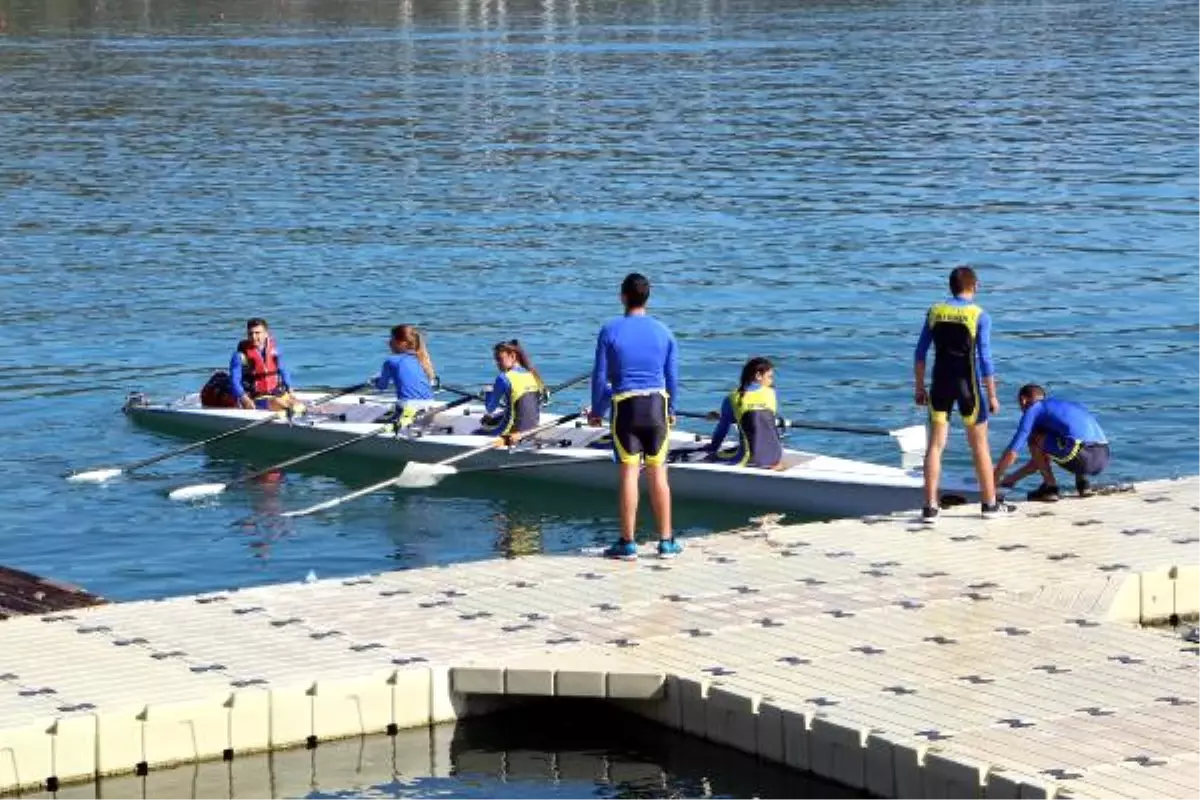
(979,657)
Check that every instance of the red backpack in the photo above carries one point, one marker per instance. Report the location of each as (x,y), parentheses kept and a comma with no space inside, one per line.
(217,393)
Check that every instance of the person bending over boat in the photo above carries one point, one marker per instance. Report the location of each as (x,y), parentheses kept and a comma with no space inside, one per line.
(635,368)
(513,403)
(1057,432)
(753,407)
(410,369)
(258,377)
(960,332)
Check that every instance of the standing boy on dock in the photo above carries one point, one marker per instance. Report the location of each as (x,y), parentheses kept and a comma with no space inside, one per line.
(960,332)
(636,361)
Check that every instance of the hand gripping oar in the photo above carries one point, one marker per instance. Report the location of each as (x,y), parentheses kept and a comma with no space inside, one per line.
(418,475)
(197,491)
(100,475)
(910,439)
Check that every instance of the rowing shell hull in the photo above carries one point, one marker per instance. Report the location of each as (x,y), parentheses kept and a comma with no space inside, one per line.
(812,484)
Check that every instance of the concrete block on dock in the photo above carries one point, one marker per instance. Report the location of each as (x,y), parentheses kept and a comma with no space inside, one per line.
(796,739)
(949,776)
(1187,590)
(26,756)
(529,681)
(769,733)
(411,698)
(1009,785)
(693,694)
(477,680)
(580,683)
(355,706)
(893,766)
(731,718)
(838,751)
(1157,596)
(636,685)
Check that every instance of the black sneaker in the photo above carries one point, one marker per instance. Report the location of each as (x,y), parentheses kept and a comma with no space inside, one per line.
(1083,486)
(929,515)
(1046,493)
(996,510)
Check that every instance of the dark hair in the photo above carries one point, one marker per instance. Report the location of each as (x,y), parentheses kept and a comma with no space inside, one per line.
(514,347)
(962,279)
(1031,391)
(635,289)
(751,370)
(254,322)
(414,341)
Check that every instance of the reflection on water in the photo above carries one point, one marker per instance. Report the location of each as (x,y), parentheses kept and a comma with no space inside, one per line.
(560,748)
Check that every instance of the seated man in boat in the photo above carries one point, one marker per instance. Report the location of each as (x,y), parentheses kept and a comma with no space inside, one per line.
(513,403)
(410,369)
(753,408)
(1057,432)
(257,375)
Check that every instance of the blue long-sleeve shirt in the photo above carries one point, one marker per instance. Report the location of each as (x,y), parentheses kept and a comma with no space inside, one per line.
(1057,419)
(634,353)
(404,370)
(235,371)
(500,391)
(983,338)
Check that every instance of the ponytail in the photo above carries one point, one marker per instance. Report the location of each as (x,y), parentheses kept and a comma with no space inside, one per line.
(514,347)
(414,341)
(751,370)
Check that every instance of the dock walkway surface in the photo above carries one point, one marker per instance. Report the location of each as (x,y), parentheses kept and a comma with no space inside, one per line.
(979,657)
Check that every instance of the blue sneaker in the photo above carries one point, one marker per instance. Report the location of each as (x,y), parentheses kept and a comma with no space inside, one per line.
(626,551)
(669,548)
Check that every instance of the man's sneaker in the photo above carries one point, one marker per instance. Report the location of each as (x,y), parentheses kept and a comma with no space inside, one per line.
(1046,493)
(996,510)
(929,515)
(622,549)
(669,548)
(1083,486)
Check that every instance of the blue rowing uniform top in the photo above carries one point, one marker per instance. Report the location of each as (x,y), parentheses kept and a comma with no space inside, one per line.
(634,353)
(405,371)
(983,338)
(1062,422)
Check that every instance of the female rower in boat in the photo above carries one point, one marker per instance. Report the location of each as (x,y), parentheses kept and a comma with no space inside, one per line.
(753,408)
(513,403)
(410,369)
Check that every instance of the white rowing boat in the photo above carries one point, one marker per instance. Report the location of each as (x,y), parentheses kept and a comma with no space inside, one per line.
(571,453)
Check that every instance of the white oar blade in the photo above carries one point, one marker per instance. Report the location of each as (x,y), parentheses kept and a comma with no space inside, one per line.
(94,476)
(417,475)
(197,491)
(911,439)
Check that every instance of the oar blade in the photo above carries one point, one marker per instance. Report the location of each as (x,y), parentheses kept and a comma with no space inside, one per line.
(94,475)
(197,491)
(418,475)
(911,439)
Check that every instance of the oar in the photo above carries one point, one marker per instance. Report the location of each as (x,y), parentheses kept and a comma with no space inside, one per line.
(418,475)
(200,490)
(910,439)
(100,475)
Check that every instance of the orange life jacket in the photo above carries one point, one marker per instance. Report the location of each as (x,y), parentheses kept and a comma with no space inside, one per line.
(260,372)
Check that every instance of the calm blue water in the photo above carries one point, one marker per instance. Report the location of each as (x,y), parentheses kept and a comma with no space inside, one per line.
(796,178)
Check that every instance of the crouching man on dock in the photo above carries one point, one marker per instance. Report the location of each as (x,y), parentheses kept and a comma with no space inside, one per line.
(1057,432)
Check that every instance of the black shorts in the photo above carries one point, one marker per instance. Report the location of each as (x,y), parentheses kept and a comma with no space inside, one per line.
(962,390)
(1089,459)
(640,429)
